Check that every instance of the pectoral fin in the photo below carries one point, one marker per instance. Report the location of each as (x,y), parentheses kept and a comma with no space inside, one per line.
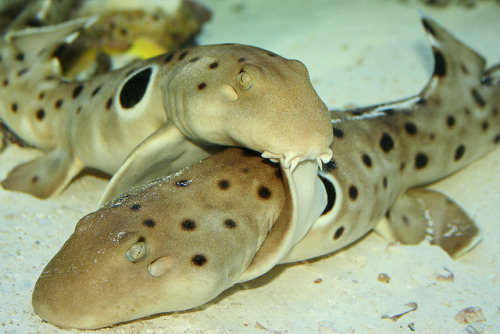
(44,176)
(428,214)
(164,152)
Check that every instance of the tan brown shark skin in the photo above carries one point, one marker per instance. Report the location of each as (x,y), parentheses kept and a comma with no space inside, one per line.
(227,94)
(380,153)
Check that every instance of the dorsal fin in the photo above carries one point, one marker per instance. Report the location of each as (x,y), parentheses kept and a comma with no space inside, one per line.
(454,62)
(39,44)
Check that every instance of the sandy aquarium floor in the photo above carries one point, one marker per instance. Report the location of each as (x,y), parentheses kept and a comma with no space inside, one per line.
(358,53)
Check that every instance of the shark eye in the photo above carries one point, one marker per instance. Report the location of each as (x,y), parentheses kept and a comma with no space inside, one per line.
(137,252)
(245,80)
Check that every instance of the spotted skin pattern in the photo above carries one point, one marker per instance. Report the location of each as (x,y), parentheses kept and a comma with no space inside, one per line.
(173,107)
(179,241)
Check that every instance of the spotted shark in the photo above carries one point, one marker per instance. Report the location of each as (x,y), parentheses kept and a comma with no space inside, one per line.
(170,110)
(177,242)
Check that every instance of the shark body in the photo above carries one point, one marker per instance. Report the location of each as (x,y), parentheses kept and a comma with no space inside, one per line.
(177,242)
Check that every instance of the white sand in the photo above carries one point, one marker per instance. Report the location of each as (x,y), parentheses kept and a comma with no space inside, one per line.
(358,52)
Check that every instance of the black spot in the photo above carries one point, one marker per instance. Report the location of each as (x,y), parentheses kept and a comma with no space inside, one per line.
(77,91)
(40,114)
(386,143)
(134,89)
(411,128)
(338,233)
(21,72)
(338,133)
(439,64)
(182,183)
(428,27)
(169,57)
(450,121)
(353,193)
(135,207)
(402,166)
(241,60)
(331,195)
(229,223)
(202,86)
(477,97)
(188,225)
(5,82)
(264,192)
(199,259)
(459,152)
(193,60)
(367,160)
(496,140)
(95,91)
(214,65)
(384,182)
(183,55)
(13,107)
(149,223)
(421,160)
(20,56)
(224,184)
(58,104)
(41,96)
(485,125)
(109,103)
(34,179)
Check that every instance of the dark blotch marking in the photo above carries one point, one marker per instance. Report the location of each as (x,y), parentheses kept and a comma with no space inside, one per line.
(5,82)
(41,96)
(241,60)
(183,55)
(34,179)
(477,97)
(109,103)
(224,184)
(202,86)
(338,233)
(384,182)
(77,91)
(13,107)
(496,140)
(40,114)
(229,223)
(439,64)
(134,89)
(193,60)
(402,166)
(264,192)
(58,104)
(386,143)
(338,133)
(485,125)
(20,56)
(182,183)
(199,260)
(411,128)
(188,225)
(459,152)
(421,161)
(169,57)
(149,223)
(21,72)
(353,193)
(464,69)
(494,112)
(367,160)
(78,110)
(450,121)
(95,91)
(213,65)
(330,193)
(135,207)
